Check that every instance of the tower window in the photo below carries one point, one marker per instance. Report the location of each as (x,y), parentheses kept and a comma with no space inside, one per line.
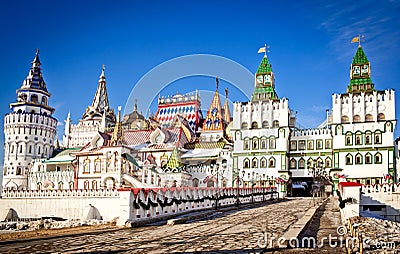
(272,143)
(345,119)
(293,163)
(378,138)
(34,98)
(368,158)
(368,118)
(358,159)
(349,137)
(246,163)
(44,101)
(255,143)
(357,119)
(378,158)
(271,163)
(302,163)
(254,163)
(263,143)
(381,117)
(263,162)
(349,159)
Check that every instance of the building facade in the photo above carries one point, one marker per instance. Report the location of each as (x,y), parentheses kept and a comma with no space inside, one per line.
(261,130)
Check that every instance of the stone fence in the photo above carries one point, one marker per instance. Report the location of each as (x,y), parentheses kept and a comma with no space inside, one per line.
(59,193)
(127,205)
(381,188)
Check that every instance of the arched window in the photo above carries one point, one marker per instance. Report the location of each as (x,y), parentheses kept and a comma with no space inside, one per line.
(381,117)
(378,137)
(246,163)
(244,125)
(292,163)
(349,138)
(34,98)
(271,162)
(94,185)
(310,163)
(265,124)
(60,185)
(97,165)
(369,118)
(328,162)
(301,164)
(272,144)
(368,158)
(356,119)
(349,159)
(254,163)
(368,138)
(255,143)
(246,144)
(358,138)
(263,162)
(86,167)
(345,119)
(275,124)
(254,125)
(378,158)
(44,101)
(86,185)
(358,158)
(263,143)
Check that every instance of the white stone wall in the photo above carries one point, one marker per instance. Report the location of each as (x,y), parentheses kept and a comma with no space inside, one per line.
(66,204)
(27,136)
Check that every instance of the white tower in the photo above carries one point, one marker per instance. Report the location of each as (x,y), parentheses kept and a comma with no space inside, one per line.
(29,129)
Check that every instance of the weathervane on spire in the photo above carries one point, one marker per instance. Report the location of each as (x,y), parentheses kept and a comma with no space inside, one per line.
(358,39)
(217,82)
(264,50)
(226,93)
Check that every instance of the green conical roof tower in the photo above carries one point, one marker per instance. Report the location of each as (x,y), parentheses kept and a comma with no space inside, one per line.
(360,73)
(174,161)
(264,82)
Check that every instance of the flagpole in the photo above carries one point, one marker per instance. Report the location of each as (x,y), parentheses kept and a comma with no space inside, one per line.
(265,53)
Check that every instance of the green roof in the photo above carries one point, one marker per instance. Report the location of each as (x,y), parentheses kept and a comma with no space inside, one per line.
(174,160)
(265,66)
(360,57)
(269,90)
(359,81)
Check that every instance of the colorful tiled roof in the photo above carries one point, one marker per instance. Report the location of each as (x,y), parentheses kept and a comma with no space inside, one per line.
(174,160)
(265,66)
(213,120)
(360,57)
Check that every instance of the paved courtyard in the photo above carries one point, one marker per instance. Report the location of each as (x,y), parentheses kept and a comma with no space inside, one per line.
(236,231)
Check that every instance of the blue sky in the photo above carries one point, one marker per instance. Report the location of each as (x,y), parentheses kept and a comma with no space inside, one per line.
(310,47)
